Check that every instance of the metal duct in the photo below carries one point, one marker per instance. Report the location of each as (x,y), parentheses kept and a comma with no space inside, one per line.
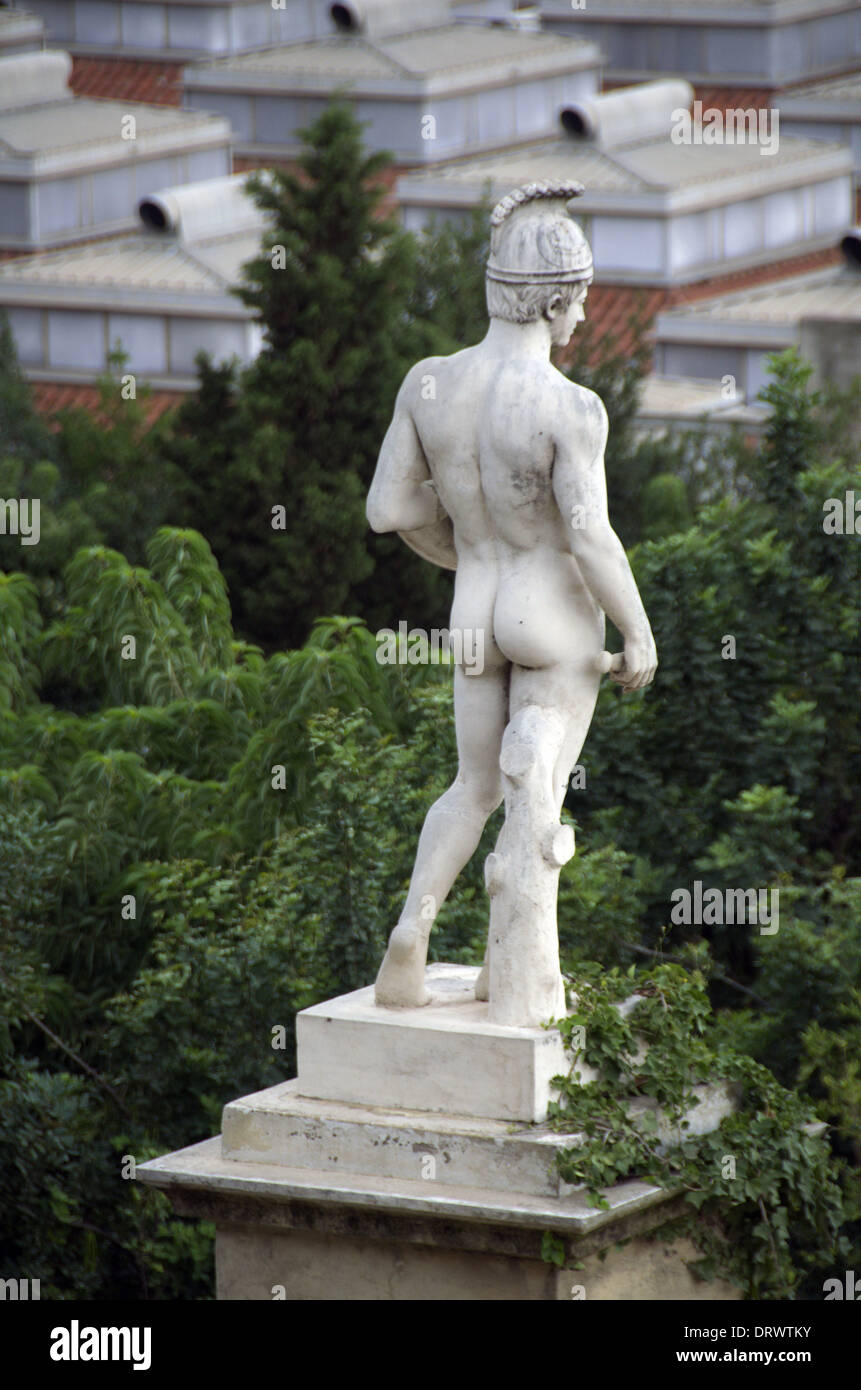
(632,113)
(850,245)
(196,211)
(377,18)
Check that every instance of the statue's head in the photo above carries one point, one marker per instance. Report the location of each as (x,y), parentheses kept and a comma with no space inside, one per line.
(540,263)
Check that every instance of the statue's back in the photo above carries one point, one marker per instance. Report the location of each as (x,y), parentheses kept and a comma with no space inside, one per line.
(487,434)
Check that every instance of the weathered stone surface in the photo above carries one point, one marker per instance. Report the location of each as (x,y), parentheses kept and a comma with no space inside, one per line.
(305,1236)
(309,1267)
(280,1126)
(444,1057)
(201,1169)
(318,1199)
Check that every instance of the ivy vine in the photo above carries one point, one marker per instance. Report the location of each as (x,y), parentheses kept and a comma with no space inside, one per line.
(767,1199)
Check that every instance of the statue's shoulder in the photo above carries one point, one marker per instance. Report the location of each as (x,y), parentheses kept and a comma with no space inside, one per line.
(421,374)
(582,396)
(586,405)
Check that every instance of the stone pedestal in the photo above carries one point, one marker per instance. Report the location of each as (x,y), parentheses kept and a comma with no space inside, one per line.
(333,1187)
(447,1057)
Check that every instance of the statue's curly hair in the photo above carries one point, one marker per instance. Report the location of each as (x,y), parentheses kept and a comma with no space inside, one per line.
(542,188)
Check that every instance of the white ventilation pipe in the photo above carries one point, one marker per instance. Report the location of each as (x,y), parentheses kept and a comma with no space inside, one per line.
(381,17)
(850,245)
(195,211)
(632,113)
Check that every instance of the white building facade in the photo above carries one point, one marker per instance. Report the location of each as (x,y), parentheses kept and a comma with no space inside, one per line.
(178,29)
(427,92)
(734,334)
(747,43)
(73,169)
(659,213)
(161,295)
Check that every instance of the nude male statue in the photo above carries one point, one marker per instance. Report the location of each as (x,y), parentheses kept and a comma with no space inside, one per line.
(493,466)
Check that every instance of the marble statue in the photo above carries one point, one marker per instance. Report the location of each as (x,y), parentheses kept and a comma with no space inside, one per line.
(493,466)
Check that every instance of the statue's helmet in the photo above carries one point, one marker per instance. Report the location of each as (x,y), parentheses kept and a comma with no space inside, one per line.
(534,239)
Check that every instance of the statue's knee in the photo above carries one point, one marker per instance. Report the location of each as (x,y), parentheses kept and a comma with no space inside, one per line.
(476,797)
(488,797)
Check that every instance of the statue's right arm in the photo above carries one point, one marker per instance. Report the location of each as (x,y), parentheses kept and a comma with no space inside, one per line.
(434,543)
(402,495)
(580,488)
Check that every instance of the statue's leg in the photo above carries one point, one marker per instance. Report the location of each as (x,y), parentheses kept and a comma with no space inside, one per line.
(551,709)
(482,984)
(571,689)
(451,832)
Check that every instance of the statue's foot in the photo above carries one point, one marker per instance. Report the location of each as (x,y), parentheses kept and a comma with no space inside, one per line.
(401,981)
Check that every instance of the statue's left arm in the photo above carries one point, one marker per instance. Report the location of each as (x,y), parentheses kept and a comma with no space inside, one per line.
(403,497)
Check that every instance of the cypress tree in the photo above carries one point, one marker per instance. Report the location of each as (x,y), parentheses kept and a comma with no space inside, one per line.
(278,457)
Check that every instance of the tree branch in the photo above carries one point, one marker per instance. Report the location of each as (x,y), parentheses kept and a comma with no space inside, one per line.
(715,975)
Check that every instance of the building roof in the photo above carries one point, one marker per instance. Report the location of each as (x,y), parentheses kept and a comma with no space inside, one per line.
(838,97)
(744,98)
(124,79)
(139,264)
(327,59)
(51,397)
(766,309)
(740,43)
(709,11)
(654,173)
(185,266)
(44,129)
(79,124)
(621,312)
(685,401)
(184,30)
(455,47)
(412,61)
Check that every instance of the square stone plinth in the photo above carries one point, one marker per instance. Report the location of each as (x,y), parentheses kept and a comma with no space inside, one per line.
(280,1127)
(443,1058)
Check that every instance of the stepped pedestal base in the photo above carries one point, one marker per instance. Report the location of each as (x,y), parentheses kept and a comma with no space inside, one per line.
(386,1187)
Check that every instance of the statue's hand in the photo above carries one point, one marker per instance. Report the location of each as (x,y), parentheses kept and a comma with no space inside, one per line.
(639,665)
(636,668)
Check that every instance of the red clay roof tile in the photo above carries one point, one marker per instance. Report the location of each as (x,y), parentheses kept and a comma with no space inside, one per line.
(124,79)
(50,397)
